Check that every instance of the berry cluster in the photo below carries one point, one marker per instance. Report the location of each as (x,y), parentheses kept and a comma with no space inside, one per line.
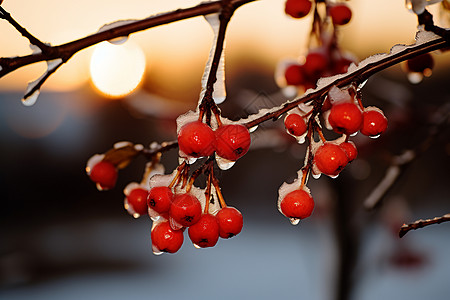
(324,58)
(180,205)
(196,139)
(343,112)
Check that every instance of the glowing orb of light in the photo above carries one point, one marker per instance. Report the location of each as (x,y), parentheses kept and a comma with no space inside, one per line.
(117,70)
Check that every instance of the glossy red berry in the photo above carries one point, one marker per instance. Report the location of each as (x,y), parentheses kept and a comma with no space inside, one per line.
(297,204)
(205,233)
(374,122)
(420,63)
(232,141)
(137,199)
(330,159)
(294,75)
(160,199)
(295,124)
(349,149)
(340,14)
(345,118)
(104,174)
(165,239)
(297,8)
(196,139)
(186,210)
(230,222)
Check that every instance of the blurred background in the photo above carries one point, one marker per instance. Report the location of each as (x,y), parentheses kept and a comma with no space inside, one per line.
(60,238)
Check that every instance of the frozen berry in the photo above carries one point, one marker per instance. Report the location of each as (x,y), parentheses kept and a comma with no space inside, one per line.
(349,149)
(294,75)
(345,118)
(232,141)
(340,14)
(137,199)
(196,139)
(186,210)
(297,8)
(205,233)
(230,222)
(297,204)
(295,124)
(330,159)
(374,122)
(104,174)
(165,239)
(160,199)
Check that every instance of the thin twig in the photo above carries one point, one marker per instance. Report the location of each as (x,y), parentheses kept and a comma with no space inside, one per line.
(422,223)
(67,50)
(33,40)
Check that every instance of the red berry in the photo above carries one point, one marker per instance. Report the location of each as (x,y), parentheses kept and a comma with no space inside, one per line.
(297,8)
(316,63)
(205,233)
(294,75)
(196,139)
(420,63)
(105,174)
(345,117)
(232,141)
(160,199)
(230,222)
(341,14)
(374,122)
(330,159)
(295,124)
(349,149)
(137,199)
(297,204)
(165,239)
(185,209)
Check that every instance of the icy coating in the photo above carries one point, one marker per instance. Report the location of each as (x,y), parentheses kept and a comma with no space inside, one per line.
(52,65)
(422,37)
(219,93)
(418,6)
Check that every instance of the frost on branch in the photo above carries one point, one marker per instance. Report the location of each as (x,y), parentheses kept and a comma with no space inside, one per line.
(219,94)
(33,88)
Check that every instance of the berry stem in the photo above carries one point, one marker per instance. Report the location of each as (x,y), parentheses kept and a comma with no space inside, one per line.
(219,193)
(208,193)
(180,170)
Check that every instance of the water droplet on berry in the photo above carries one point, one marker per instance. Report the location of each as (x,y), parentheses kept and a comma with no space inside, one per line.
(354,133)
(156,251)
(224,164)
(31,100)
(191,160)
(414,77)
(294,221)
(196,246)
(374,136)
(99,187)
(301,139)
(334,177)
(119,40)
(253,128)
(174,224)
(316,176)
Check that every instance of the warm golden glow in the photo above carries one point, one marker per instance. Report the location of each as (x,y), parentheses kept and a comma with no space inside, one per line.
(117,70)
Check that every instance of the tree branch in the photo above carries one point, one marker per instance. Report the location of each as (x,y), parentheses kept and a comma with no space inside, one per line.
(357,77)
(422,223)
(66,51)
